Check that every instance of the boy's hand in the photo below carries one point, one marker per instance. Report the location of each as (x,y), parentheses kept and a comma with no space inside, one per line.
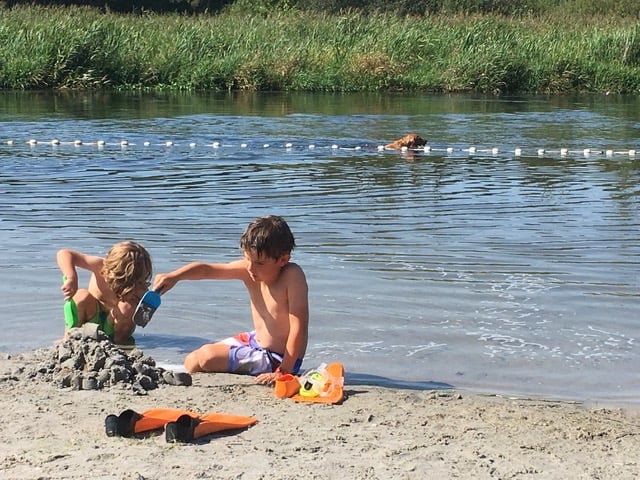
(69,287)
(163,283)
(267,378)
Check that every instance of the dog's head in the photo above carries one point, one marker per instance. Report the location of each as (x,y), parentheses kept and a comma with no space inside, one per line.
(412,140)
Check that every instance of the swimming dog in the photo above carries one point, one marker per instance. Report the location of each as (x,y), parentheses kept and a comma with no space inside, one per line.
(412,140)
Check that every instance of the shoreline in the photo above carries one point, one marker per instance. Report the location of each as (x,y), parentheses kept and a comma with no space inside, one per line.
(376,432)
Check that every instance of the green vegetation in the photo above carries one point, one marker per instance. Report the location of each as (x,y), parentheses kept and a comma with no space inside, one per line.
(283,45)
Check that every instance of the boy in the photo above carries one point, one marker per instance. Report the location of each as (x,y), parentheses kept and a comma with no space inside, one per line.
(279,305)
(118,282)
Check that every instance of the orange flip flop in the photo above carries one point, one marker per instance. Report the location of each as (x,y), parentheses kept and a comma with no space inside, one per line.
(328,390)
(187,428)
(130,422)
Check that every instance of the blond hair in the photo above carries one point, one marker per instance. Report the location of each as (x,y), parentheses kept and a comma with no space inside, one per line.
(127,269)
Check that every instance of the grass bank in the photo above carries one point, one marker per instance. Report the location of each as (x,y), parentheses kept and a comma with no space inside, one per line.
(58,48)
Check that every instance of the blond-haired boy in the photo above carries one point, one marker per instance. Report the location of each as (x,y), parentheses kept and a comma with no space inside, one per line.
(118,282)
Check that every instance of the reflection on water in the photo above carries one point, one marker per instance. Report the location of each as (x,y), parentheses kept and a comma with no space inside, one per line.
(505,273)
(87,105)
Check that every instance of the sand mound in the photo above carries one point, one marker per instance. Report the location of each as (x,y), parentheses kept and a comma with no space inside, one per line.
(88,360)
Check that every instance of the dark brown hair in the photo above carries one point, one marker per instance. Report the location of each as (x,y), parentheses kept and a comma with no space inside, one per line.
(268,236)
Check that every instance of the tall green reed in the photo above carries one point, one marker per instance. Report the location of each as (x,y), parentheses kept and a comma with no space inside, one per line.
(291,50)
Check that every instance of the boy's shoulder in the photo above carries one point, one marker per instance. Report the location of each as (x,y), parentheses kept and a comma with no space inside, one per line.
(292,273)
(292,266)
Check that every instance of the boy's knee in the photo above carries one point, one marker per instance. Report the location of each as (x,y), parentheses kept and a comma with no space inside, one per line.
(84,305)
(191,363)
(82,295)
(208,358)
(85,302)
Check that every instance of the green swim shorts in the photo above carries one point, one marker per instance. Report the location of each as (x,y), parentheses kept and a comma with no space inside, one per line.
(71,318)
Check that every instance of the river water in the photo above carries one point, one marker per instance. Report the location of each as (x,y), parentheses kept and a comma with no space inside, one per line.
(474,265)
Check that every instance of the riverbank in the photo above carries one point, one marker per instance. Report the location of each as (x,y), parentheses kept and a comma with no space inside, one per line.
(375,432)
(79,48)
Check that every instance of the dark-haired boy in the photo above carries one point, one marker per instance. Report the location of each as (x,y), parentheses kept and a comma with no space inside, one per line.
(278,295)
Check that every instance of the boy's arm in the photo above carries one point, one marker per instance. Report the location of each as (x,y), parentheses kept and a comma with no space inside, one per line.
(68,260)
(296,345)
(235,270)
(298,293)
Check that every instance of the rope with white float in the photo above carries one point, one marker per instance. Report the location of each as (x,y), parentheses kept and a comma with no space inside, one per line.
(426,149)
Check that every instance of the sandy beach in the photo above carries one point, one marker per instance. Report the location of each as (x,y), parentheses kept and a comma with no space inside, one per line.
(375,433)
